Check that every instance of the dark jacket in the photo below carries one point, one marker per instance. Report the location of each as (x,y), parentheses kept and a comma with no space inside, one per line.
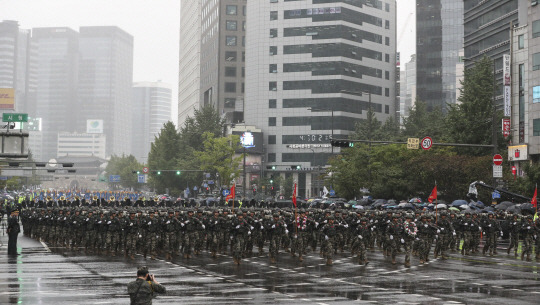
(141,292)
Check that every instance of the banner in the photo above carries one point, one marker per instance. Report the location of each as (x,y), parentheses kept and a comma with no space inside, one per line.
(507,83)
(7,98)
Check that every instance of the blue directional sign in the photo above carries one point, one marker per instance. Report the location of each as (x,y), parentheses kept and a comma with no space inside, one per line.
(4,177)
(495,195)
(205,185)
(141,179)
(195,188)
(226,192)
(332,193)
(210,181)
(114,178)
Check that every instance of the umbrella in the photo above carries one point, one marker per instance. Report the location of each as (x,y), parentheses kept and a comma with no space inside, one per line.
(406,205)
(459,202)
(465,207)
(453,209)
(358,207)
(488,209)
(515,209)
(415,200)
(364,201)
(527,208)
(441,206)
(504,205)
(480,204)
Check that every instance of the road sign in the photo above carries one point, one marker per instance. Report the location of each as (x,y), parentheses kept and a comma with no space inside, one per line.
(497,159)
(413,143)
(226,192)
(210,181)
(114,178)
(141,178)
(206,185)
(195,188)
(497,171)
(15,117)
(427,142)
(495,195)
(332,193)
(145,170)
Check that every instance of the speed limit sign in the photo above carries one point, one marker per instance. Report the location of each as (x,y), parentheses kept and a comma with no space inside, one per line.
(426,143)
(145,170)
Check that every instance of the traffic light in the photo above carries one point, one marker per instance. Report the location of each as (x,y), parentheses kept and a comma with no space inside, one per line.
(273,167)
(271,181)
(295,167)
(135,172)
(341,143)
(159,172)
(178,173)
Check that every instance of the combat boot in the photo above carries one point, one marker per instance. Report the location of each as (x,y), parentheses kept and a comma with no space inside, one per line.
(528,257)
(185,255)
(214,254)
(301,259)
(293,254)
(132,257)
(537,256)
(393,261)
(153,257)
(272,260)
(421,261)
(329,262)
(508,250)
(261,252)
(407,264)
(366,262)
(522,255)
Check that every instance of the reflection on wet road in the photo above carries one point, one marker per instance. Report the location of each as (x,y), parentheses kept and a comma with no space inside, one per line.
(40,275)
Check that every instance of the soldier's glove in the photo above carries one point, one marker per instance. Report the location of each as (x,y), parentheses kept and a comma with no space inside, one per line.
(252,228)
(346,226)
(438,231)
(417,238)
(442,229)
(295,236)
(216,222)
(231,237)
(249,232)
(182,224)
(316,224)
(326,237)
(402,241)
(501,233)
(372,228)
(187,221)
(273,226)
(391,237)
(238,226)
(480,228)
(388,221)
(529,227)
(425,226)
(360,236)
(286,231)
(203,227)
(140,236)
(454,233)
(466,224)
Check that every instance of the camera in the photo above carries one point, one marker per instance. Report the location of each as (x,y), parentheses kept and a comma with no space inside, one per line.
(149,277)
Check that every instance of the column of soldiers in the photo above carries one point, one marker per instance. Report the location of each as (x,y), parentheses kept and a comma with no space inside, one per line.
(184,232)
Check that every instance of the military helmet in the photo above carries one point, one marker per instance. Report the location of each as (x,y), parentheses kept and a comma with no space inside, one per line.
(409,216)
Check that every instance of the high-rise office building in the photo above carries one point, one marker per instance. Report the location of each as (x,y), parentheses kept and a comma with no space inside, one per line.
(223,28)
(312,71)
(105,84)
(190,59)
(487,27)
(16,68)
(56,59)
(151,109)
(410,84)
(439,32)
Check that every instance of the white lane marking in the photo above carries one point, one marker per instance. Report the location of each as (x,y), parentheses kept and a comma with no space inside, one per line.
(45,246)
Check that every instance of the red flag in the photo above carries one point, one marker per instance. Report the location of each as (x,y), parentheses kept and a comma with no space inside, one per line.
(534,201)
(294,195)
(433,195)
(231,194)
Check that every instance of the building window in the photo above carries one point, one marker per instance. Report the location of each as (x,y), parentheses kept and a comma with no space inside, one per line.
(521,41)
(387,41)
(387,24)
(273,68)
(387,57)
(536,28)
(272,139)
(272,86)
(386,74)
(231,10)
(230,87)
(536,127)
(386,91)
(386,109)
(273,15)
(230,56)
(243,26)
(536,94)
(273,50)
(272,121)
(387,7)
(536,61)
(243,56)
(271,157)
(230,103)
(230,40)
(273,33)
(230,71)
(243,87)
(273,1)
(244,9)
(272,103)
(243,71)
(231,25)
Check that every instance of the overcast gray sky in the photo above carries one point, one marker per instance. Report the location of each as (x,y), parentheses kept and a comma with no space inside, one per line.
(154,25)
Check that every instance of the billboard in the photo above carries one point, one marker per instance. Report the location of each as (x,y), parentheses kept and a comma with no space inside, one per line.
(94,126)
(7,98)
(506,83)
(518,153)
(252,141)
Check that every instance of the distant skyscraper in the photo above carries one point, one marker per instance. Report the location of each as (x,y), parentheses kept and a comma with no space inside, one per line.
(487,33)
(313,71)
(105,84)
(410,81)
(15,65)
(190,59)
(151,109)
(56,59)
(439,32)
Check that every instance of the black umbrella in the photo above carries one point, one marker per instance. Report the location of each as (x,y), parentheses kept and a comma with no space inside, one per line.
(504,205)
(527,208)
(406,205)
(459,202)
(514,209)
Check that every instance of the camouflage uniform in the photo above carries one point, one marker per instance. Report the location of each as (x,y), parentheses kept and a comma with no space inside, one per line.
(132,234)
(240,231)
(394,232)
(276,229)
(329,231)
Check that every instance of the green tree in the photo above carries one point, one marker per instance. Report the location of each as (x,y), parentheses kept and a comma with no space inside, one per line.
(421,122)
(124,166)
(164,156)
(218,156)
(207,119)
(470,121)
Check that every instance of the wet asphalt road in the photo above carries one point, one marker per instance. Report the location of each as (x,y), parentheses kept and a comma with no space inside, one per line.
(40,275)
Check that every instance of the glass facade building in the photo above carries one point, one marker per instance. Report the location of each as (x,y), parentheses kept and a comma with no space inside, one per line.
(439,32)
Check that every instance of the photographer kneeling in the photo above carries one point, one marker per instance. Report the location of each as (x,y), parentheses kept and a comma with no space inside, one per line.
(141,291)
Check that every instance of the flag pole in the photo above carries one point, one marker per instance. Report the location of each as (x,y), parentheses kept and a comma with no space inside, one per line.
(436,204)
